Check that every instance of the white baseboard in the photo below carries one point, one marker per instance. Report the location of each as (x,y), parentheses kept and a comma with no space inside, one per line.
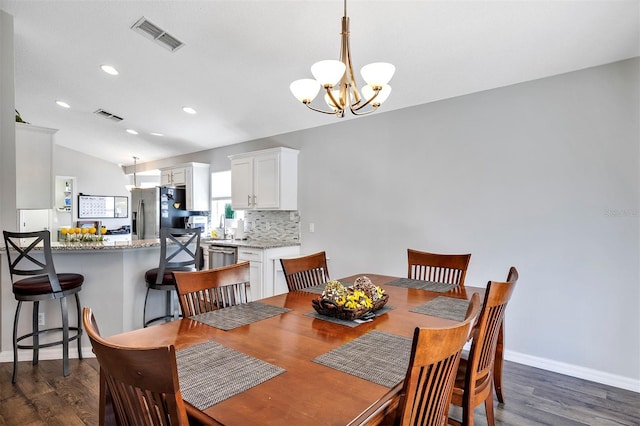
(592,375)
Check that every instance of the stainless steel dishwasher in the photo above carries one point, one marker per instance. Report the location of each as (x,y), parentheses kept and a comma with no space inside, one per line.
(222,256)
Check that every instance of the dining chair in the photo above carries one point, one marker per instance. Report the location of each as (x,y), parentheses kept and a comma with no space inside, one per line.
(305,271)
(512,276)
(212,289)
(142,382)
(179,251)
(425,394)
(442,268)
(42,284)
(474,381)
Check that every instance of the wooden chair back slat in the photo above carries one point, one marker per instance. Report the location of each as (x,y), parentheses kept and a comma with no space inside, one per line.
(305,271)
(205,291)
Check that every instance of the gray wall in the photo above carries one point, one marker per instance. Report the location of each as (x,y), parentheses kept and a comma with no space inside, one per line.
(541,175)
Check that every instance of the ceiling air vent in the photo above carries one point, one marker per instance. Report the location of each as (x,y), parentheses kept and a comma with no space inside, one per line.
(105,114)
(157,34)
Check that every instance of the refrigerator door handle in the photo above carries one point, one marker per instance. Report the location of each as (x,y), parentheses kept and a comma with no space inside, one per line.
(140,227)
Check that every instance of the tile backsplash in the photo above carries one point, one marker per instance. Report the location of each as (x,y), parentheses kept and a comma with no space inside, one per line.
(272,225)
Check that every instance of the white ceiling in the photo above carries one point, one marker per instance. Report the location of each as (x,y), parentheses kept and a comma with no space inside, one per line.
(240,57)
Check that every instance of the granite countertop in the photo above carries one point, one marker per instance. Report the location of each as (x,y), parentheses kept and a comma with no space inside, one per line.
(98,245)
(121,245)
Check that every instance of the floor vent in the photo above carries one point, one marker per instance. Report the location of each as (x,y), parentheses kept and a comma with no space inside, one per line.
(157,34)
(105,114)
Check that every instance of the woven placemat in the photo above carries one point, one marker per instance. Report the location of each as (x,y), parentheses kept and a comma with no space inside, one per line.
(348,323)
(444,307)
(210,373)
(239,315)
(377,356)
(316,289)
(422,285)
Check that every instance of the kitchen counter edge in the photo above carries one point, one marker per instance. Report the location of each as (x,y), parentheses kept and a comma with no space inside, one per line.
(124,245)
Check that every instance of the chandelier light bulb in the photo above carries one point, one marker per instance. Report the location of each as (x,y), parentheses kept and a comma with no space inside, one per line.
(328,72)
(368,92)
(327,99)
(378,73)
(305,90)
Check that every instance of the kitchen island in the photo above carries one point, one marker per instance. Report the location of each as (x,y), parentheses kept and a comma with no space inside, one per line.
(114,288)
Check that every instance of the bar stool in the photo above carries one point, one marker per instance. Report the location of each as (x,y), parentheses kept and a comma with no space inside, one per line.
(43,284)
(181,257)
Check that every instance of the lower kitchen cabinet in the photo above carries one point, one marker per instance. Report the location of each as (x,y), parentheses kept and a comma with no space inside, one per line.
(262,275)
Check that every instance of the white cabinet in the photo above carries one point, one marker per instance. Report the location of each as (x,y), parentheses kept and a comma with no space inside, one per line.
(173,177)
(198,186)
(34,167)
(262,272)
(195,178)
(256,267)
(265,180)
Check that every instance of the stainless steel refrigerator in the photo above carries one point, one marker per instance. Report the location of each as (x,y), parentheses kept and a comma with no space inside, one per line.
(155,208)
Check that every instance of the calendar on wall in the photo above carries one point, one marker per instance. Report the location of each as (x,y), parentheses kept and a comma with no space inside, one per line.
(102,206)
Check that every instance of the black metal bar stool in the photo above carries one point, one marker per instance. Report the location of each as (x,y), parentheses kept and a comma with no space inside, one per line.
(179,251)
(43,284)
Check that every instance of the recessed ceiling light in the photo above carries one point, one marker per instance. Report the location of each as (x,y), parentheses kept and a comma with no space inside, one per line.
(189,110)
(109,69)
(133,132)
(63,104)
(156,134)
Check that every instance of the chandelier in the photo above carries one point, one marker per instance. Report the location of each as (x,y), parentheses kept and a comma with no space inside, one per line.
(336,78)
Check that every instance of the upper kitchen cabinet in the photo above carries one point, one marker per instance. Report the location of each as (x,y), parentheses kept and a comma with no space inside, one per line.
(265,180)
(34,167)
(195,178)
(175,176)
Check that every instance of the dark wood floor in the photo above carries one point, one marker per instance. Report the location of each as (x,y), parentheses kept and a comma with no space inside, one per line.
(534,397)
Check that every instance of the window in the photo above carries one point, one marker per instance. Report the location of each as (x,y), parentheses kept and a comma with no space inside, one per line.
(221,196)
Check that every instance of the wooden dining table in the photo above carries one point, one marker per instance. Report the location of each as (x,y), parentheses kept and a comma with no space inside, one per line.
(307,393)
